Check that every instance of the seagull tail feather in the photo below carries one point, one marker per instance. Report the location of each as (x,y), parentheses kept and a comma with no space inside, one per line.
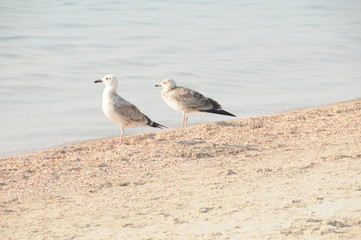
(156,125)
(219,111)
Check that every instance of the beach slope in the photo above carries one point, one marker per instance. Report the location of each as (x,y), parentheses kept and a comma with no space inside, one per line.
(294,175)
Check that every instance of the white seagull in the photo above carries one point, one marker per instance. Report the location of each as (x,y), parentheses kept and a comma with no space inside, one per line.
(119,110)
(186,100)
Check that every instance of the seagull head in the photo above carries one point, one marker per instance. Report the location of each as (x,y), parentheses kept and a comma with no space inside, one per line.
(167,84)
(108,80)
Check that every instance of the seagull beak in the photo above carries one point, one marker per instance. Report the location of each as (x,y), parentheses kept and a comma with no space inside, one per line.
(98,81)
(158,85)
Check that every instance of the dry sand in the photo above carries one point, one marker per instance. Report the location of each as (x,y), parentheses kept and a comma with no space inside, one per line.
(293,175)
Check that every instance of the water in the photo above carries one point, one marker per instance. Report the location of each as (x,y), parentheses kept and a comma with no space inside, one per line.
(254,57)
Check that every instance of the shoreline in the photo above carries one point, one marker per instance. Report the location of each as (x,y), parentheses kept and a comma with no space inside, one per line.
(211,181)
(60,145)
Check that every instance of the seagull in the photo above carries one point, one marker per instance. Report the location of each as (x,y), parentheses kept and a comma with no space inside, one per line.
(119,110)
(186,100)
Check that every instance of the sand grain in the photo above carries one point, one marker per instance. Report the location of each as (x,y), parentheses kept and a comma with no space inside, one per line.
(293,175)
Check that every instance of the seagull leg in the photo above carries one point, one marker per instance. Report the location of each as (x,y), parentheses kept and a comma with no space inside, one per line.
(121,135)
(184,119)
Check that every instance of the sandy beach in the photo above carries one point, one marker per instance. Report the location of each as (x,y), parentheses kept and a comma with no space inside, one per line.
(294,175)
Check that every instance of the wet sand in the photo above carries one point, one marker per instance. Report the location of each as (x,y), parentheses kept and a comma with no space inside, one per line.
(294,175)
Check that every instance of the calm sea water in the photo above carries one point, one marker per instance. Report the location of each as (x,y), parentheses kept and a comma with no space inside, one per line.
(254,57)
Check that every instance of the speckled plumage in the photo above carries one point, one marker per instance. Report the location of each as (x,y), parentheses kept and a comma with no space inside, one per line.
(186,100)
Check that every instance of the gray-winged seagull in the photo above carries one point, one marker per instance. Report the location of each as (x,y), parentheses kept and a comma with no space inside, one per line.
(186,100)
(119,110)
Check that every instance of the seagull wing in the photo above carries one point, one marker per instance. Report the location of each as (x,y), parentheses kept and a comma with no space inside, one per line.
(191,99)
(129,111)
